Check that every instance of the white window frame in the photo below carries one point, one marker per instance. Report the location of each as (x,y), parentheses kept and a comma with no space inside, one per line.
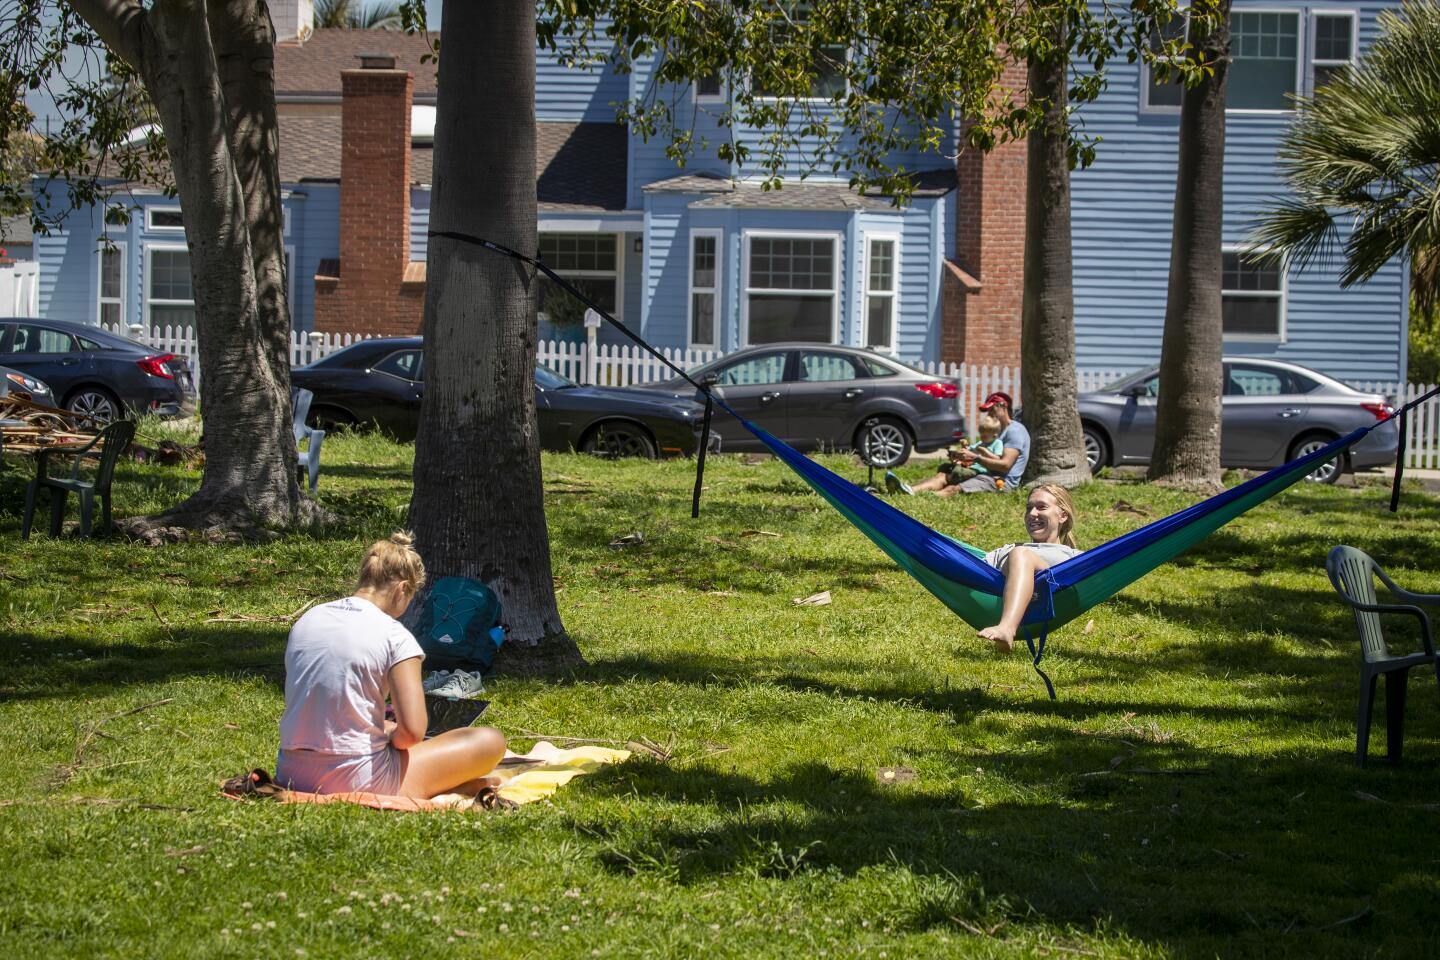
(746,236)
(619,274)
(122,248)
(146,301)
(893,293)
(719,237)
(1310,64)
(285,221)
(1304,45)
(710,98)
(1283,296)
(150,226)
(849,51)
(1147,74)
(1300,59)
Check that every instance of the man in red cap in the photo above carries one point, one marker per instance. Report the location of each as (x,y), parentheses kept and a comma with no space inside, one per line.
(1009,463)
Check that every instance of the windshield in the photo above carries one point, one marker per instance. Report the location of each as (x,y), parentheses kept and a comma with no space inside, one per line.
(547,379)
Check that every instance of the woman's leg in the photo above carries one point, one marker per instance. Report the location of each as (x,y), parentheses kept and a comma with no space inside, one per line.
(934,482)
(1020,569)
(455,761)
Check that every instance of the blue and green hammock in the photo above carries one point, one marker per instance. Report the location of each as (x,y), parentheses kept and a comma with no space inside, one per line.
(955,572)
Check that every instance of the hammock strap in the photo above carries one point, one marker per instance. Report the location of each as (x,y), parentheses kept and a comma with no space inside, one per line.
(1399,459)
(1045,588)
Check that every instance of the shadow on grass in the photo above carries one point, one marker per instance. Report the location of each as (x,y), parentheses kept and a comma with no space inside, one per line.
(1205,853)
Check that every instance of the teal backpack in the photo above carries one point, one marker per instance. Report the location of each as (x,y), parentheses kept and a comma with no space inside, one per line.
(459,624)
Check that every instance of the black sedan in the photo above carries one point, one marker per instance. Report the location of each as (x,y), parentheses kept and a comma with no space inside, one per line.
(822,397)
(380,382)
(99,374)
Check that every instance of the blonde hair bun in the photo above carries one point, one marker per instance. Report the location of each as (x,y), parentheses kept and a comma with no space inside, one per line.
(392,560)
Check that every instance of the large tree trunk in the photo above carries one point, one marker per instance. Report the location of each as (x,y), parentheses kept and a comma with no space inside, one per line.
(1048,388)
(1187,416)
(208,69)
(478,508)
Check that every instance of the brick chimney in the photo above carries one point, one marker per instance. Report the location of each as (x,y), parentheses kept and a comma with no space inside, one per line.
(984,285)
(374,288)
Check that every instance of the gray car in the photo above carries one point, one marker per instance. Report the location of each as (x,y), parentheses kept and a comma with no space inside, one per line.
(822,397)
(1273,412)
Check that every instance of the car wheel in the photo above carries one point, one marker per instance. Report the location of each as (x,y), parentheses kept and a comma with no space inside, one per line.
(1331,470)
(619,439)
(95,404)
(1097,450)
(884,442)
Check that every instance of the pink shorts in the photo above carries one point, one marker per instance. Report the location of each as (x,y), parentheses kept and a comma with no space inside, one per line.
(311,771)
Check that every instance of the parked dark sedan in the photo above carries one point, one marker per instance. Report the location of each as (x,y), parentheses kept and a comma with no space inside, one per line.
(822,397)
(23,385)
(380,382)
(97,373)
(1272,412)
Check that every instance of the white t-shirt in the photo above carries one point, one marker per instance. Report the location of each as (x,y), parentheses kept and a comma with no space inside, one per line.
(1051,553)
(337,667)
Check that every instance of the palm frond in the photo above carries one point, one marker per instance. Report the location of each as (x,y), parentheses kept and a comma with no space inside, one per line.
(1365,149)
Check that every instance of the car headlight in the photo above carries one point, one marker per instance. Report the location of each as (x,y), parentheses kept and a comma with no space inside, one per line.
(29,384)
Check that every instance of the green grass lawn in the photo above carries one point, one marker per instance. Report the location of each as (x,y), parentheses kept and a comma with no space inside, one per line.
(1191,794)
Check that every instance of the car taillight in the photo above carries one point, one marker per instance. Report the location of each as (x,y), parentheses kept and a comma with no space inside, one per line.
(155,366)
(1381,410)
(939,390)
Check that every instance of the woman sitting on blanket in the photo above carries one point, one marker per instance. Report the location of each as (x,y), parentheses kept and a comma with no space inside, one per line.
(343,659)
(1050,520)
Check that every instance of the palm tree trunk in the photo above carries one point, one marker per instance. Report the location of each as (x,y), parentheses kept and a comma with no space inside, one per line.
(1048,385)
(478,509)
(1187,416)
(222,154)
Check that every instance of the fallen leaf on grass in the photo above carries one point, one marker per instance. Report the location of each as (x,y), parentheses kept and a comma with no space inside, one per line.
(892,775)
(232,726)
(1090,626)
(761,533)
(188,851)
(721,593)
(814,600)
(1124,506)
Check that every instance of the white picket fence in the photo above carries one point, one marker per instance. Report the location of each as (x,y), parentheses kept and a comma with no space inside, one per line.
(625,365)
(20,288)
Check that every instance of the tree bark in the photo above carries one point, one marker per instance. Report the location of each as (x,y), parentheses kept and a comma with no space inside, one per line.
(208,69)
(1188,410)
(1048,387)
(478,506)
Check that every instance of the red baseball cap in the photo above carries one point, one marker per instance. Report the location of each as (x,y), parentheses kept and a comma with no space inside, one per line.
(995,398)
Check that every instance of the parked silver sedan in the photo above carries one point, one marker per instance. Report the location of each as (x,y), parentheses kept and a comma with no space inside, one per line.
(818,396)
(1273,412)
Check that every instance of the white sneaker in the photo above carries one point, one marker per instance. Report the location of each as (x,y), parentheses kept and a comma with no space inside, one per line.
(434,679)
(460,686)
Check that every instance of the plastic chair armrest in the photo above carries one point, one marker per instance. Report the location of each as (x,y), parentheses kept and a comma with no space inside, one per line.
(1426,637)
(1422,599)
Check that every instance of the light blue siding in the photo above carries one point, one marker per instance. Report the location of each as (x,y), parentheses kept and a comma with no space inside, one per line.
(563,93)
(315,234)
(419,223)
(1123,212)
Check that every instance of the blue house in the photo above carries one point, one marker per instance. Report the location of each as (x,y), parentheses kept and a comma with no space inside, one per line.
(702,257)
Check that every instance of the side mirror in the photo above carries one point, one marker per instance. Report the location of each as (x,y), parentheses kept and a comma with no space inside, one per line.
(1133,391)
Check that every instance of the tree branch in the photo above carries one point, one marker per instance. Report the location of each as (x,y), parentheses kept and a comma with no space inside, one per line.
(118,22)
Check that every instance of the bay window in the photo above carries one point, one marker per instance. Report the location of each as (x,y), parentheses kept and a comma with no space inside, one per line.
(791,287)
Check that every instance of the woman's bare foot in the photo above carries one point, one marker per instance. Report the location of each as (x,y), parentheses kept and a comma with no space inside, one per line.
(1003,639)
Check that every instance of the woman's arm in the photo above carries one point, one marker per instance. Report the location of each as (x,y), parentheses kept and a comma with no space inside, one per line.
(407,696)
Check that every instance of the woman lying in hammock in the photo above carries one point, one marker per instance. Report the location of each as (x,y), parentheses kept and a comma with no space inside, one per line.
(1050,520)
(342,660)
